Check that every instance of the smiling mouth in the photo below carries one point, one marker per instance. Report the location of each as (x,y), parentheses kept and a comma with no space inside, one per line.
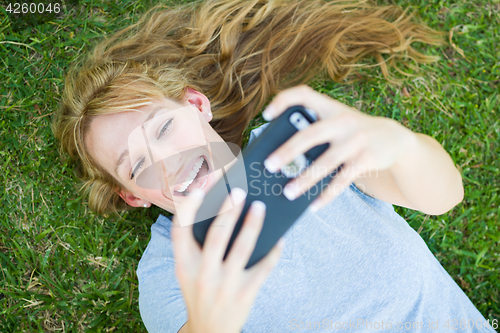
(197,178)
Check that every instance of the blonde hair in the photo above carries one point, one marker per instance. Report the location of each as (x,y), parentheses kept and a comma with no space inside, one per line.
(238,53)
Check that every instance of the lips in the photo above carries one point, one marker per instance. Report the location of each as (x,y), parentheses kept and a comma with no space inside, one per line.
(194,176)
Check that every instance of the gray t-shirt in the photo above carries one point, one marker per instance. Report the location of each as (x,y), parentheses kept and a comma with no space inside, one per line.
(355,265)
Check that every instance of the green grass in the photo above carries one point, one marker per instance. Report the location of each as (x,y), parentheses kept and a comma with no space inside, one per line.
(66,269)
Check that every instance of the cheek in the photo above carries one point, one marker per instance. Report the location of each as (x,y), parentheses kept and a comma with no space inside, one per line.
(210,134)
(163,200)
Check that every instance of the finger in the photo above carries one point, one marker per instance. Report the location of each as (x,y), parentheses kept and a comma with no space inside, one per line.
(245,242)
(344,178)
(258,273)
(184,244)
(330,130)
(220,231)
(305,96)
(324,165)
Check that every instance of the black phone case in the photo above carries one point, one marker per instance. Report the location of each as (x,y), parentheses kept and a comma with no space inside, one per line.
(280,212)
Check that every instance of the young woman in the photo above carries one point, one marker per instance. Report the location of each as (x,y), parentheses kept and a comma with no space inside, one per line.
(187,76)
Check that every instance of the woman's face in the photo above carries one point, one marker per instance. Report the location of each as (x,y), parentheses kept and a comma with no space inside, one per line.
(160,154)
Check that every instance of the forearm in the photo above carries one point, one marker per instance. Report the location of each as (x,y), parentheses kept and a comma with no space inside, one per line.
(427,176)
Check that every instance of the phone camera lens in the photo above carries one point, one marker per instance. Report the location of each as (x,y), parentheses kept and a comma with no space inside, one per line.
(298,121)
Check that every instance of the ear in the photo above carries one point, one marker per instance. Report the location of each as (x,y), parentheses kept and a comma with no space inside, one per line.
(200,101)
(132,200)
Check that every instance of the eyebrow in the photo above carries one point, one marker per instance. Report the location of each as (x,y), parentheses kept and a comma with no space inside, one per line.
(125,153)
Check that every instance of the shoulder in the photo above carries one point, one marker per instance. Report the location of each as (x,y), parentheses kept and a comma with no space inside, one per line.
(257,131)
(159,249)
(371,201)
(159,291)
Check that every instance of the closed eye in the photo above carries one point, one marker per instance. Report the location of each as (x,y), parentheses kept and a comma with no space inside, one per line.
(165,127)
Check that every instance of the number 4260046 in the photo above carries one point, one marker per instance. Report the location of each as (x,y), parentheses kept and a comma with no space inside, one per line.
(33,8)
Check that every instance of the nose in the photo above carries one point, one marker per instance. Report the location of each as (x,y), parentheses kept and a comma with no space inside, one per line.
(168,164)
(165,164)
(171,167)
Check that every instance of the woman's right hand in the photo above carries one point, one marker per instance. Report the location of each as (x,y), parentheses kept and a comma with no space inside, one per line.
(219,294)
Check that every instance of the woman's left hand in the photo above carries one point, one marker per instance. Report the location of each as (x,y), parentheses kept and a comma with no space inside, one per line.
(361,142)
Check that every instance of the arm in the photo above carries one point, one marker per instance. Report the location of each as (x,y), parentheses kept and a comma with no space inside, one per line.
(382,157)
(425,178)
(184,328)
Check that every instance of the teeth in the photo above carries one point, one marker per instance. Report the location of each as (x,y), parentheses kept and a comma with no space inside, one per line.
(190,178)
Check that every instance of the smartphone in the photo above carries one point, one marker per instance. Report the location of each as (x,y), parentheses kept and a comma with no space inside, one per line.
(250,174)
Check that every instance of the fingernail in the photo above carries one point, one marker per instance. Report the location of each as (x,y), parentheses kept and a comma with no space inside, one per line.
(272,164)
(281,242)
(290,191)
(238,195)
(197,194)
(258,207)
(315,206)
(267,114)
